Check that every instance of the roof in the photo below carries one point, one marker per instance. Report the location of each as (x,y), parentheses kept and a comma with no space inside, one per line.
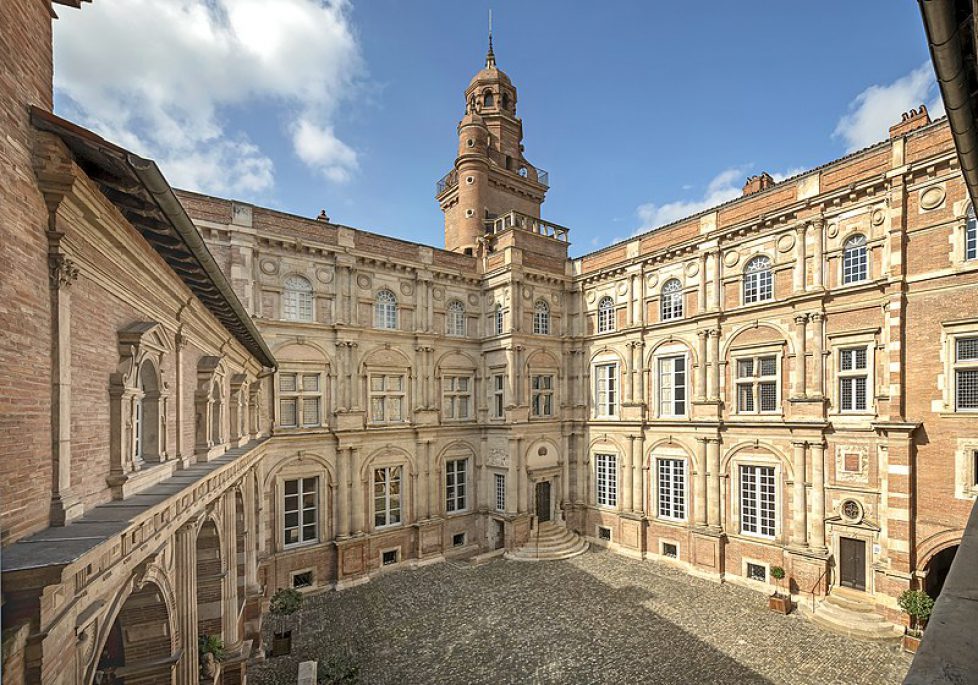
(138,190)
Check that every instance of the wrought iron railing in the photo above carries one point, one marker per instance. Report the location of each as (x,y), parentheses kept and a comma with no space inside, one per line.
(449,180)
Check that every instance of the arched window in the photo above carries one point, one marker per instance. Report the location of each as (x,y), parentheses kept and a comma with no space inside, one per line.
(606,315)
(455,319)
(297,299)
(488,100)
(505,101)
(497,320)
(971,235)
(146,415)
(671,304)
(138,430)
(385,310)
(758,281)
(541,318)
(855,267)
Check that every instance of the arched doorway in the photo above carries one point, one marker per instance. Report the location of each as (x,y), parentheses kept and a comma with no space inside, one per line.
(209,581)
(937,569)
(240,541)
(139,648)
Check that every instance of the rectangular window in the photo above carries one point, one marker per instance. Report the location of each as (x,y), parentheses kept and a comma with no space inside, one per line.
(388,557)
(853,379)
(500,482)
(300,399)
(757,493)
(672,489)
(543,395)
(756,572)
(386,398)
(757,385)
(458,540)
(672,386)
(455,481)
(387,496)
(966,374)
(498,396)
(456,396)
(670,550)
(606,480)
(301,511)
(604,533)
(971,238)
(606,389)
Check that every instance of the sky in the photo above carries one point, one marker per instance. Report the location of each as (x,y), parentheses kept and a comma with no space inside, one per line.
(642,112)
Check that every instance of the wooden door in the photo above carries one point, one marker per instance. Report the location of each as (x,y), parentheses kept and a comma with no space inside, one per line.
(852,563)
(543,501)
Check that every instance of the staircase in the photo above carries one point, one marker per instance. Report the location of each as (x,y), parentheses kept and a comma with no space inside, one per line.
(851,614)
(550,541)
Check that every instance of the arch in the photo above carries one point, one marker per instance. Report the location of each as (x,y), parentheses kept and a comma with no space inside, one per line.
(386,357)
(398,453)
(461,449)
(541,358)
(455,359)
(671,340)
(211,566)
(505,100)
(541,317)
(606,350)
(937,543)
(671,305)
(855,259)
(604,439)
(385,309)
(297,298)
(758,279)
(133,638)
(781,334)
(758,446)
(315,457)
(535,461)
(304,352)
(240,548)
(671,442)
(488,99)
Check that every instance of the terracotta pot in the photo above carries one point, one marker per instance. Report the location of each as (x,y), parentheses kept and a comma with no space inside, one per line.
(282,643)
(780,604)
(910,643)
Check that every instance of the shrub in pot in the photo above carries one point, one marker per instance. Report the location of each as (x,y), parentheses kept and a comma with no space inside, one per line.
(918,605)
(779,602)
(283,604)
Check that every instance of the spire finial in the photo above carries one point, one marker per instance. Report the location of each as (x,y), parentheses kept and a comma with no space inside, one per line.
(490,57)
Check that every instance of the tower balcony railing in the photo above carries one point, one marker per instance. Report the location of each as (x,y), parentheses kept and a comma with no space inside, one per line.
(514,219)
(449,180)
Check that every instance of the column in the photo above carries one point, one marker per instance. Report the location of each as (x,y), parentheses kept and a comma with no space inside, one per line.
(713,459)
(640,371)
(251,533)
(798,386)
(185,590)
(179,344)
(799,507)
(433,478)
(700,490)
(565,470)
(818,228)
(340,301)
(354,319)
(358,485)
(717,281)
(342,526)
(701,286)
(512,477)
(64,506)
(354,384)
(511,375)
(229,595)
(817,537)
(798,273)
(630,308)
(638,483)
(818,384)
(715,363)
(629,395)
(701,365)
(625,502)
(523,492)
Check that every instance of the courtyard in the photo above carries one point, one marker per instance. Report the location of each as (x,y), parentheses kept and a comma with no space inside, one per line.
(598,618)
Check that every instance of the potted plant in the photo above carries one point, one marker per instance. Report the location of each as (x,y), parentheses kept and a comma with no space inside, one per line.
(283,604)
(779,602)
(918,605)
(210,651)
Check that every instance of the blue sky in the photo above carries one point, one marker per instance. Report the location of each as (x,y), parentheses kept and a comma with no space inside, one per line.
(642,112)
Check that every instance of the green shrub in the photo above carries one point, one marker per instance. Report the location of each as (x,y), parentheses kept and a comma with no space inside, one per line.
(341,669)
(918,605)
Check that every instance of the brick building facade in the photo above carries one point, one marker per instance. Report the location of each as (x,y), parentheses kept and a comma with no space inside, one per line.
(200,413)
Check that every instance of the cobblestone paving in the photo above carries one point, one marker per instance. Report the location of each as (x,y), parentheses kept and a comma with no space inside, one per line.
(599,618)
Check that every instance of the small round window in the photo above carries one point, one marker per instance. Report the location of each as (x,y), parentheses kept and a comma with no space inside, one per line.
(851,511)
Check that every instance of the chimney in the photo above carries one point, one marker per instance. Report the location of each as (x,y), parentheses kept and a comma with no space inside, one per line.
(756,184)
(910,121)
(322,216)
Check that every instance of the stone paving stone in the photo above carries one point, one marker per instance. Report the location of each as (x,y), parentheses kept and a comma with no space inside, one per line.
(598,618)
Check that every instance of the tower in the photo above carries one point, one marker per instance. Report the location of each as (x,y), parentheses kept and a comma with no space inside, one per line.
(491,177)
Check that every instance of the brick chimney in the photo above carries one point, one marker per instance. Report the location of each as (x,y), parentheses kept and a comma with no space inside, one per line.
(755,184)
(910,121)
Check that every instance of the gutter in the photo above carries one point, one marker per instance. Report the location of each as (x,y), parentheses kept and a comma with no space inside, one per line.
(149,175)
(949,25)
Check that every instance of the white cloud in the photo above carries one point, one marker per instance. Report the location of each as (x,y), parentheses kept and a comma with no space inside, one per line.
(878,107)
(163,79)
(723,187)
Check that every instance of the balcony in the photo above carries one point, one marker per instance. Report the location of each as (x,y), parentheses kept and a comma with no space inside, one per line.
(450,180)
(523,222)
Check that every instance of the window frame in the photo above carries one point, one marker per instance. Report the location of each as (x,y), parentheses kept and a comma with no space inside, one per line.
(546,394)
(497,395)
(499,491)
(606,322)
(388,395)
(456,502)
(606,475)
(608,408)
(451,396)
(965,366)
(300,395)
(671,301)
(683,358)
(756,379)
(387,496)
(541,317)
(677,487)
(498,319)
(743,510)
(386,310)
(970,243)
(455,319)
(854,264)
(300,510)
(758,282)
(298,300)
(854,374)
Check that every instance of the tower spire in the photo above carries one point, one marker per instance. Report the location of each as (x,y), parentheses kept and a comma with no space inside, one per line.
(490,56)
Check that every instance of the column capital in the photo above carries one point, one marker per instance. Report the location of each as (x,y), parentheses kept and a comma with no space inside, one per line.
(816,316)
(801,318)
(714,332)
(799,443)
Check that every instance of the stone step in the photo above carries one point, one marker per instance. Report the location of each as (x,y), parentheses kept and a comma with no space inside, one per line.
(859,624)
(848,604)
(550,542)
(529,554)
